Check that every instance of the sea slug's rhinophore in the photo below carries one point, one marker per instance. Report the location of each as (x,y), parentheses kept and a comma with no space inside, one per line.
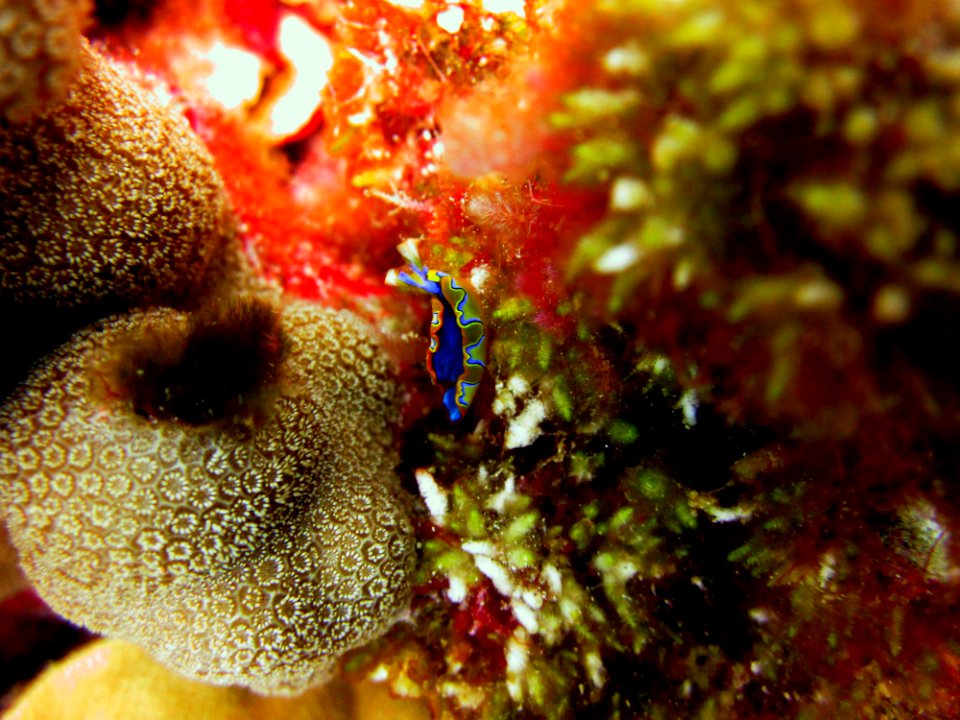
(216,487)
(457,354)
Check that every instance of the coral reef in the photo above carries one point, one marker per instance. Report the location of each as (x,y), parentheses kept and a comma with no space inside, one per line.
(107,197)
(250,541)
(709,470)
(40,53)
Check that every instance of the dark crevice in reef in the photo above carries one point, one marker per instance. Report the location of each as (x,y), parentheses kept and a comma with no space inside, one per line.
(699,456)
(762,209)
(34,332)
(928,341)
(527,459)
(114,13)
(32,636)
(709,615)
(222,366)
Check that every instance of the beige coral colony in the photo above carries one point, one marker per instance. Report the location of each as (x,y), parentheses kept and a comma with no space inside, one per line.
(244,527)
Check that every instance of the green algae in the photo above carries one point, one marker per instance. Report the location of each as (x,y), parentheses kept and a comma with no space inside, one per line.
(768,235)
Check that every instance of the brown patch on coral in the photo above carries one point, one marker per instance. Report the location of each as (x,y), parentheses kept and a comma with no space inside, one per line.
(12,579)
(107,197)
(251,551)
(219,368)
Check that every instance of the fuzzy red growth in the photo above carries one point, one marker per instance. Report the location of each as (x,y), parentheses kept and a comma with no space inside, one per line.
(481,625)
(501,124)
(257,21)
(879,608)
(863,651)
(947,690)
(321,216)
(305,242)
(155,46)
(544,482)
(528,231)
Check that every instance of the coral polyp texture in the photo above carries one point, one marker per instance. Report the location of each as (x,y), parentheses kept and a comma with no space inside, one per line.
(250,544)
(40,53)
(107,196)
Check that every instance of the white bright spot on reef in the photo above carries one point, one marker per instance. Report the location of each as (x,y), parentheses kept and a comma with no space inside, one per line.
(629,194)
(433,495)
(507,496)
(626,60)
(552,577)
(517,655)
(926,541)
(688,404)
(162,94)
(310,58)
(725,515)
(617,258)
(533,598)
(408,4)
(478,547)
(498,7)
(496,572)
(525,615)
(451,19)
(595,669)
(525,428)
(479,276)
(828,568)
(236,75)
(518,385)
(456,590)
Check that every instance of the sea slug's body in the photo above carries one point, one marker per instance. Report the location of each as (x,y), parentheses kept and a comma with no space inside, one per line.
(457,353)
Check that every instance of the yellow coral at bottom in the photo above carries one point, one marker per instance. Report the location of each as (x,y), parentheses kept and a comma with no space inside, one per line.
(114,679)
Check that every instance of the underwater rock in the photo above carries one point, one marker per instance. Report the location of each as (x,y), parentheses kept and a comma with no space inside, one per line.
(108,196)
(245,539)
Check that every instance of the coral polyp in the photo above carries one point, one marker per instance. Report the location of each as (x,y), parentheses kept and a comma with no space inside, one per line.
(41,52)
(251,544)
